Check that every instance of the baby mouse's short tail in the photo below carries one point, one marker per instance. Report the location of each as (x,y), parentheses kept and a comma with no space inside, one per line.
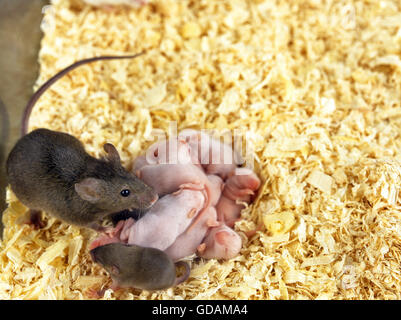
(185,276)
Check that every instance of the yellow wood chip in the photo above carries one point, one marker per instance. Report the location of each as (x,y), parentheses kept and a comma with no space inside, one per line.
(55,250)
(313,85)
(320,180)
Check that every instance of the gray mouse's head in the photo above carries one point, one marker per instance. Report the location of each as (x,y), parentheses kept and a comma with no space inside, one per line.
(109,256)
(112,189)
(113,258)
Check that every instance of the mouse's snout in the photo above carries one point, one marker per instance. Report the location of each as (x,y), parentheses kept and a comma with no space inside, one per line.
(148,198)
(144,195)
(98,255)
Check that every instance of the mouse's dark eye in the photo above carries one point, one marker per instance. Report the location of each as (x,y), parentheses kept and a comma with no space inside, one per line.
(125,193)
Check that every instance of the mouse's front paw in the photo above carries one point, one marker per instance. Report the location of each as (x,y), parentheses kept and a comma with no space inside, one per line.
(36,220)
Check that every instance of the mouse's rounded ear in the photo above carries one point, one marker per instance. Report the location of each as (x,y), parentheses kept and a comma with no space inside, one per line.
(112,153)
(89,189)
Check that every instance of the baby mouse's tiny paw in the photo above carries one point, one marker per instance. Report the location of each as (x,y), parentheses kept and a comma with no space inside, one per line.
(109,231)
(201,248)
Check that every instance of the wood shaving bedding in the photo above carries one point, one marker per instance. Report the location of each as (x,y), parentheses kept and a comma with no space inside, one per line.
(316,85)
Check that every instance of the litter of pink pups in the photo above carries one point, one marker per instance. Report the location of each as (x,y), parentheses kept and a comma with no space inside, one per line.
(198,183)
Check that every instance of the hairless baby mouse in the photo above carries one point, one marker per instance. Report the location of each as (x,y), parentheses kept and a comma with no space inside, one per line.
(51,171)
(138,267)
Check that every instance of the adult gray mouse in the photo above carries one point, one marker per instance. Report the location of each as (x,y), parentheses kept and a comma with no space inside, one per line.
(132,266)
(51,171)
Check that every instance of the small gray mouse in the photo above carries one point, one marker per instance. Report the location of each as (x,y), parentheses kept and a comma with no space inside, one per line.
(51,171)
(132,266)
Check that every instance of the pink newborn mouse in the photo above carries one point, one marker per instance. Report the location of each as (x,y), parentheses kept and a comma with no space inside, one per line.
(103,240)
(239,186)
(168,178)
(216,187)
(164,222)
(170,168)
(188,242)
(215,157)
(221,242)
(172,151)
